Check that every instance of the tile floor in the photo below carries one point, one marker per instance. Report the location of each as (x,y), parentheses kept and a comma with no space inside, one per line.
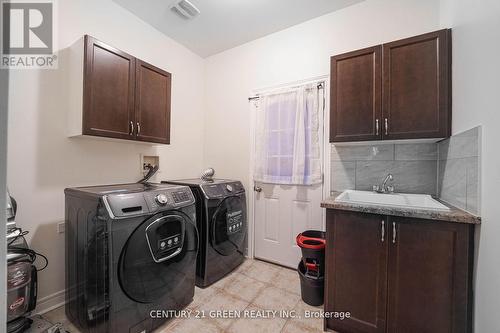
(255,285)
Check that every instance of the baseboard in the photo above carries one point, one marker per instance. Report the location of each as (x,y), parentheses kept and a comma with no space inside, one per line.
(50,302)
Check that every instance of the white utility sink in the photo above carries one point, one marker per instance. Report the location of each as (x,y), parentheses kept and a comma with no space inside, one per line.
(402,200)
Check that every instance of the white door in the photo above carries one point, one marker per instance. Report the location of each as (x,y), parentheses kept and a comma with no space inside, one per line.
(283,207)
(282,212)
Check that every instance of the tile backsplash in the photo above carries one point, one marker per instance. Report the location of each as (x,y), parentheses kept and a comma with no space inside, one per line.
(449,169)
(359,167)
(459,170)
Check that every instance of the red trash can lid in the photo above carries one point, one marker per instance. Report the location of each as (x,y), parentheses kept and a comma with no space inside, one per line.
(310,242)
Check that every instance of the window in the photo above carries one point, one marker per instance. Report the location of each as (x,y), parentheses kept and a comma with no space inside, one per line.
(288,137)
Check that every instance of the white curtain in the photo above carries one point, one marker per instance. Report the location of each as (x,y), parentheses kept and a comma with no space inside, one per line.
(288,137)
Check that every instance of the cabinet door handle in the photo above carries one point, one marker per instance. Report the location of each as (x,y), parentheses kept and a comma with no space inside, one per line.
(377,126)
(382,231)
(394,232)
(131,128)
(138,128)
(386,123)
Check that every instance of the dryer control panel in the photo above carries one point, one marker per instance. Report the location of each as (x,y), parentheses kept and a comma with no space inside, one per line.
(221,190)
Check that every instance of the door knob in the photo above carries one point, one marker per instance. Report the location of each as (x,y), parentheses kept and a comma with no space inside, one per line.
(257,188)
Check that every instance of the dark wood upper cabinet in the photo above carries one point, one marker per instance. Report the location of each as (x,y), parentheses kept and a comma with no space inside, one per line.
(356,95)
(428,277)
(109,83)
(398,274)
(398,90)
(416,93)
(356,271)
(152,103)
(115,95)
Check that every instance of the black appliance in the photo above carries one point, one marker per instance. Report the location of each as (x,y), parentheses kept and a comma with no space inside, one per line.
(130,251)
(221,216)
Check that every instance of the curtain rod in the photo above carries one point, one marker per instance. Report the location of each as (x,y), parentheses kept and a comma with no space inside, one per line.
(319,86)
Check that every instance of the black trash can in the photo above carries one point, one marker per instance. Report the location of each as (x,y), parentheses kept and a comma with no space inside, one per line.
(312,266)
(312,286)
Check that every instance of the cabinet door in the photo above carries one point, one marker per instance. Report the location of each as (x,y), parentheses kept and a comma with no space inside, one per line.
(355,97)
(416,90)
(356,264)
(429,280)
(109,80)
(152,103)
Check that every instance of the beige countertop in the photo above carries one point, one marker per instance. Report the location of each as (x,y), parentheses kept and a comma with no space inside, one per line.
(453,215)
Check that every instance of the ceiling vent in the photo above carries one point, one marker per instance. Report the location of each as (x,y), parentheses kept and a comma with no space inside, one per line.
(185,9)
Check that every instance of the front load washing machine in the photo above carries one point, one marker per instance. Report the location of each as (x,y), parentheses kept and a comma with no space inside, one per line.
(130,251)
(221,216)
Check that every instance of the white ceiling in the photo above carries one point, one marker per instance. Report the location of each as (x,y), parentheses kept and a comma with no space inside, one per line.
(224,24)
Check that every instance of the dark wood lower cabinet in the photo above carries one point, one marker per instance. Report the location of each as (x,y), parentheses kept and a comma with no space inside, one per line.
(429,284)
(397,274)
(356,271)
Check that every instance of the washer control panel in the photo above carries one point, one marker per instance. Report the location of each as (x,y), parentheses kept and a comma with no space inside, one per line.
(161,199)
(181,196)
(147,199)
(169,198)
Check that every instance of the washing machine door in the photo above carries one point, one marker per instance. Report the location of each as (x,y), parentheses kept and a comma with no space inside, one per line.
(229,225)
(157,257)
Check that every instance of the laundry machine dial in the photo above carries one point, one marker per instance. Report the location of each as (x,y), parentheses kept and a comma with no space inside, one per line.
(161,199)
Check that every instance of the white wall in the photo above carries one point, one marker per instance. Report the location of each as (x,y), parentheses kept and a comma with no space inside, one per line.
(297,53)
(476,69)
(42,161)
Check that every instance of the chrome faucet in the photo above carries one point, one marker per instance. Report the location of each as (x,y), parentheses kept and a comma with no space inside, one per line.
(384,188)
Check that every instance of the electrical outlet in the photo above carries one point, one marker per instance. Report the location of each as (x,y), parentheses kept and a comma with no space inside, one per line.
(61,227)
